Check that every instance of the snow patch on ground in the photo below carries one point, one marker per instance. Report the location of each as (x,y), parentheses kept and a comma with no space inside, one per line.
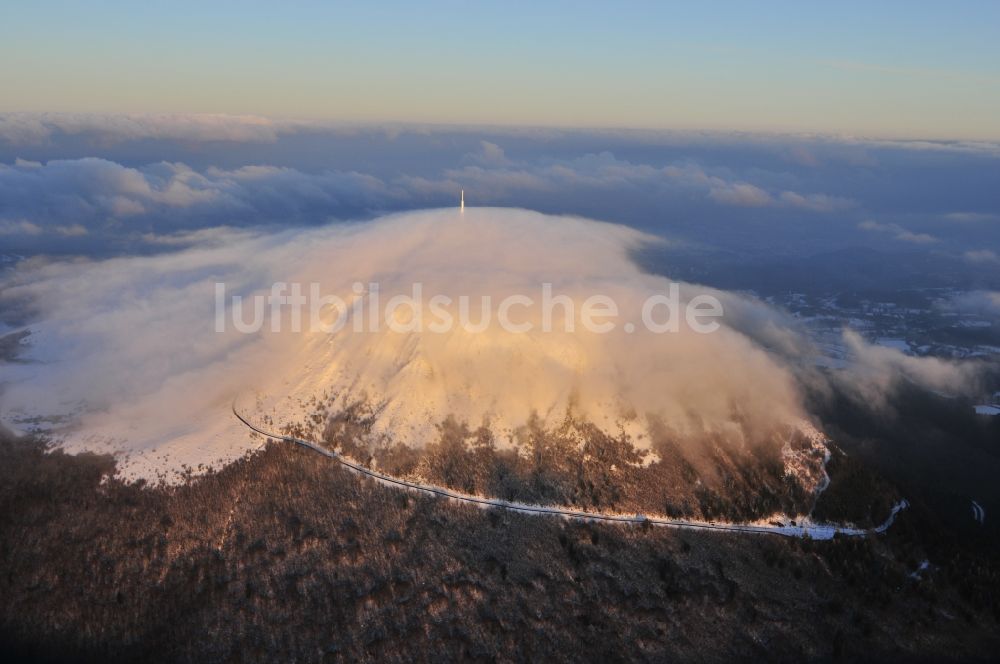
(805,454)
(778,525)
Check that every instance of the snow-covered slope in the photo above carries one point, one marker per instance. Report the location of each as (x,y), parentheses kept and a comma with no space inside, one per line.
(133,341)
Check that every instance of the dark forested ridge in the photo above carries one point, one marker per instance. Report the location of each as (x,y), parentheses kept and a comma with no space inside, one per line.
(738,475)
(284,556)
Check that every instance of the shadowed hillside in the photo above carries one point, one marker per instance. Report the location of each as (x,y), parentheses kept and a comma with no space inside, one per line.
(741,476)
(285,556)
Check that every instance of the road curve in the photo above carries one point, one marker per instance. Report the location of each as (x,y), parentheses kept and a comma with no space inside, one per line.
(818,531)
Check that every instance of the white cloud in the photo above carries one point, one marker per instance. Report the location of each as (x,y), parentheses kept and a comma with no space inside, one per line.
(133,340)
(490,154)
(741,194)
(166,197)
(898,232)
(73,230)
(981,256)
(875,370)
(95,193)
(122,206)
(37,128)
(970,216)
(19,227)
(815,202)
(604,171)
(981,302)
(916,238)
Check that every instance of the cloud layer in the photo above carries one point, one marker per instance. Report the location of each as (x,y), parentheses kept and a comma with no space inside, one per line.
(127,347)
(113,185)
(40,128)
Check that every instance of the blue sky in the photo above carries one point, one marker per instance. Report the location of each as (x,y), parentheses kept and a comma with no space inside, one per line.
(893,69)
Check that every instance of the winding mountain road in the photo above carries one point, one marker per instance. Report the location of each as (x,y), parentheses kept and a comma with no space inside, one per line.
(816,531)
